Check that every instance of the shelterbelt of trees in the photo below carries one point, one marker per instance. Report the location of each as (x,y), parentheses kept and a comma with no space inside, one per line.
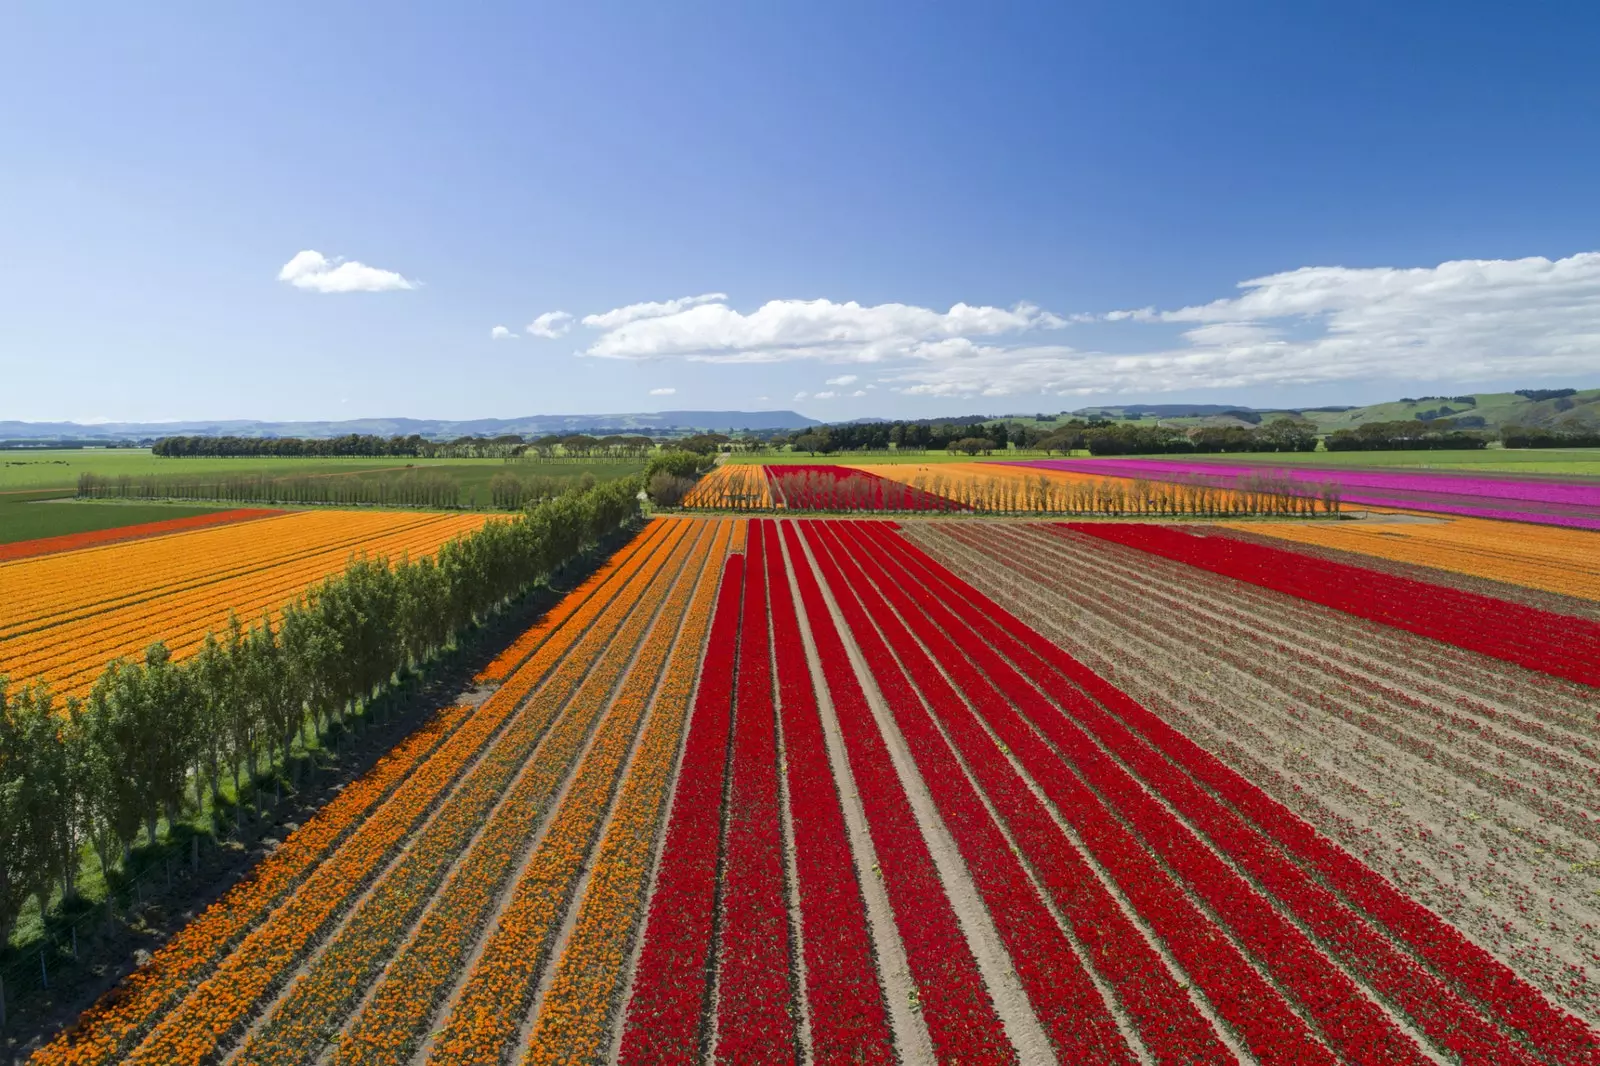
(1099,436)
(154,736)
(508,446)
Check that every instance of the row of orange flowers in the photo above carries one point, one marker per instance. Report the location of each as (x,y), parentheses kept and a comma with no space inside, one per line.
(732,487)
(222,1005)
(197,947)
(111,1027)
(485,1021)
(508,790)
(573,1024)
(525,645)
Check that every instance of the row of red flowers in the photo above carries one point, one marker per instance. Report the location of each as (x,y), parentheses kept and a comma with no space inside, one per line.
(1555,644)
(803,487)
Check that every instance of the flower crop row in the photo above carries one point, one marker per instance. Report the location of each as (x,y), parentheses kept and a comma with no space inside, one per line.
(1542,557)
(1437,1009)
(1162,1013)
(1539,640)
(487,1015)
(27,549)
(842,488)
(844,997)
(1255,1010)
(1343,1009)
(624,559)
(573,1023)
(219,1005)
(755,1006)
(666,1012)
(1064,998)
(325,995)
(731,487)
(71,656)
(960,1014)
(56,588)
(195,948)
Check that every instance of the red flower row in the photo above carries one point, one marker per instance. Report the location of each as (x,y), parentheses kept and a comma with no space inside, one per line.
(1437,1009)
(1554,644)
(849,1021)
(802,487)
(955,1005)
(1064,998)
(754,1020)
(671,983)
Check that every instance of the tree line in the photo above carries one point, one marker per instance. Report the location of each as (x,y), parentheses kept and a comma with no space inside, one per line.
(1440,434)
(414,446)
(155,738)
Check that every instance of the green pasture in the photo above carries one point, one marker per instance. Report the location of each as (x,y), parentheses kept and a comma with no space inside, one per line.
(890,456)
(59,468)
(31,515)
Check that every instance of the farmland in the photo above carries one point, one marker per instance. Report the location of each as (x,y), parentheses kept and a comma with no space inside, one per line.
(777,790)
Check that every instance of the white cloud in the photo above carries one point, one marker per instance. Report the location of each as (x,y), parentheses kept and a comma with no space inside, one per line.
(802,395)
(825,395)
(662,392)
(763,399)
(859,392)
(785,330)
(500,333)
(1458,322)
(621,316)
(551,324)
(842,379)
(314,271)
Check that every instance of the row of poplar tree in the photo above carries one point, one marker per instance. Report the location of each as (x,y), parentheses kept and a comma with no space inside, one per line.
(154,737)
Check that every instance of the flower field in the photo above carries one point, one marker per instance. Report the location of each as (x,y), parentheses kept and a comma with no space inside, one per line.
(1554,503)
(731,488)
(63,616)
(74,541)
(820,790)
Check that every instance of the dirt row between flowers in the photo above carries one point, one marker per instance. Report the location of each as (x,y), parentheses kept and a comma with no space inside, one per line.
(1464,780)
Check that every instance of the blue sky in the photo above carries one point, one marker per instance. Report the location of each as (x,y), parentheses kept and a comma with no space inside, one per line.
(940,208)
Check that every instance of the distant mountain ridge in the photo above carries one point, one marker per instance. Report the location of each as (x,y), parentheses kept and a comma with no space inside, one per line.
(661,422)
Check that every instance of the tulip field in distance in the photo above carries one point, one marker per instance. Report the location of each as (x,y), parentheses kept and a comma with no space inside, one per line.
(935,786)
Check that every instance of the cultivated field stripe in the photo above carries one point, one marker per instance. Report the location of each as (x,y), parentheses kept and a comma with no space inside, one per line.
(485,1019)
(845,1001)
(525,645)
(1064,998)
(200,943)
(1166,1019)
(1453,1023)
(665,1014)
(573,1024)
(957,1007)
(1076,1012)
(1357,1027)
(1554,644)
(220,1005)
(1236,990)
(1284,831)
(28,549)
(756,1011)
(472,841)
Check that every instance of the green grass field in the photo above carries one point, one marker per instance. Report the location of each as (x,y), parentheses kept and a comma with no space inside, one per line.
(31,515)
(1567,462)
(59,468)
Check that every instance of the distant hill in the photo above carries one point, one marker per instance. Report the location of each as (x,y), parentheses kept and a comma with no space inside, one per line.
(1481,410)
(657,423)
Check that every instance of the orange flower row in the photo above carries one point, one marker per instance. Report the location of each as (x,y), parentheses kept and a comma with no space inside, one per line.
(485,1020)
(219,1005)
(57,588)
(125,1013)
(573,1025)
(1541,557)
(741,529)
(627,557)
(732,487)
(559,719)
